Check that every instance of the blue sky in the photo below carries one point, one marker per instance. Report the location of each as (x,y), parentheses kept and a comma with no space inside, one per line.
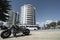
(45,9)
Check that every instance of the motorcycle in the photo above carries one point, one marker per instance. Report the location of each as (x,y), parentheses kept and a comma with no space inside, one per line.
(15,29)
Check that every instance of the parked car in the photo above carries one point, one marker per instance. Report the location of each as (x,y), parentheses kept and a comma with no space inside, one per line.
(32,28)
(3,27)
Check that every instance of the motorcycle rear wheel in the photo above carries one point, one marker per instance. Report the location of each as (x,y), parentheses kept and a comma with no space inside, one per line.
(5,34)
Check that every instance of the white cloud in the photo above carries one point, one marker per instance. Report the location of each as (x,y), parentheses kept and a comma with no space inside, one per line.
(41,24)
(48,21)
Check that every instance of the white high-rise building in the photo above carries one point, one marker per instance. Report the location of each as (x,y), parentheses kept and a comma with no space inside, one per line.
(27,15)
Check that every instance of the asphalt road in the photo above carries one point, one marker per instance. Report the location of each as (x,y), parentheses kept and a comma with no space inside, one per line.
(37,35)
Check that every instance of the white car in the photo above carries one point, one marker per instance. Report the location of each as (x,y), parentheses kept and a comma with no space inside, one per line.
(32,28)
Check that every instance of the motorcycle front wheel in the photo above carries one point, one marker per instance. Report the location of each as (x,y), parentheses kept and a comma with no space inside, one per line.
(5,34)
(26,32)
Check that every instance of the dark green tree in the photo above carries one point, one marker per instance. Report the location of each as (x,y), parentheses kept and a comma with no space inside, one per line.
(48,26)
(53,24)
(4,6)
(58,23)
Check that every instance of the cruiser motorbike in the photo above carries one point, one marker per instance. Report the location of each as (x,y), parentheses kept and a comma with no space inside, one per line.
(15,30)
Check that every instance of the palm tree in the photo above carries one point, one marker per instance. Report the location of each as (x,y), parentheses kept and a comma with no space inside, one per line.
(4,6)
